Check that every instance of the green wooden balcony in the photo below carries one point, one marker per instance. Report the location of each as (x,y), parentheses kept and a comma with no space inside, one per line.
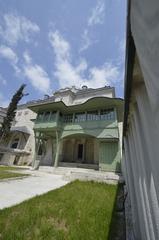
(98,123)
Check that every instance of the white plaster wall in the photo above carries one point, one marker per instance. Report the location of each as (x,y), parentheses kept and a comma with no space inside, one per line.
(99,93)
(47,160)
(145,30)
(142,165)
(71,99)
(120,129)
(7,159)
(141,142)
(30,146)
(25,118)
(96,151)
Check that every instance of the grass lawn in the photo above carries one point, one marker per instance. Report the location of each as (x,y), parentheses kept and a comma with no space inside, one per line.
(6,172)
(77,211)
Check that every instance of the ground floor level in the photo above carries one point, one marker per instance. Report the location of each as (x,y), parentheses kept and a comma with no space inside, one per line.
(78,151)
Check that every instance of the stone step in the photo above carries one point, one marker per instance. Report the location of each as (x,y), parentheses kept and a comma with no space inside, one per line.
(79,165)
(72,174)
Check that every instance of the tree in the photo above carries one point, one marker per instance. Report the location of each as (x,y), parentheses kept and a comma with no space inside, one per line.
(11,111)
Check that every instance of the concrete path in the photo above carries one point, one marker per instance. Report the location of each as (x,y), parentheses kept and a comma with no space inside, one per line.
(15,191)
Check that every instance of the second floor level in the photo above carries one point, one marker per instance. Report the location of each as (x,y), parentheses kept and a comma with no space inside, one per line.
(95,113)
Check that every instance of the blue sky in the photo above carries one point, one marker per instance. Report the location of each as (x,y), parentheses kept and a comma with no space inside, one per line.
(57,43)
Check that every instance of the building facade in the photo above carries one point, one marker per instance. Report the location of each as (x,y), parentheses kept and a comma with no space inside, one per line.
(79,127)
(141,117)
(20,147)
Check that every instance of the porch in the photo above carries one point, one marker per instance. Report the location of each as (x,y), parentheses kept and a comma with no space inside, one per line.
(79,151)
(72,151)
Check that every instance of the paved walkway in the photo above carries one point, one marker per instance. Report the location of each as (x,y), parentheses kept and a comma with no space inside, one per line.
(45,179)
(15,191)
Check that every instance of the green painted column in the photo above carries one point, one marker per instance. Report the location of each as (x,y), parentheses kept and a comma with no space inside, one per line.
(58,144)
(57,116)
(37,140)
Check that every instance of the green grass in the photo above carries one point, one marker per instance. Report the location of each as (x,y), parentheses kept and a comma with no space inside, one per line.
(77,211)
(6,172)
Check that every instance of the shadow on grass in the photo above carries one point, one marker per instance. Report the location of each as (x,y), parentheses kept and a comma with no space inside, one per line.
(117,225)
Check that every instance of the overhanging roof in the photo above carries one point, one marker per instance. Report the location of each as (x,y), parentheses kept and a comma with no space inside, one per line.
(23,129)
(90,104)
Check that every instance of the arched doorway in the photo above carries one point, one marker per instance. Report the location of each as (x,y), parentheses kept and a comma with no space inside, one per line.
(80,150)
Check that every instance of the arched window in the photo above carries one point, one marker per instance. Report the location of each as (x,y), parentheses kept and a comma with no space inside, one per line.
(15,143)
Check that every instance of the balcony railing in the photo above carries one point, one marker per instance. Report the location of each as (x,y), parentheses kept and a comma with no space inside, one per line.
(98,115)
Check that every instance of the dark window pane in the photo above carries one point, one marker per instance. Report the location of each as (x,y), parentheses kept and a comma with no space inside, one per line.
(68,118)
(107,114)
(92,115)
(15,143)
(80,117)
(53,116)
(46,116)
(40,116)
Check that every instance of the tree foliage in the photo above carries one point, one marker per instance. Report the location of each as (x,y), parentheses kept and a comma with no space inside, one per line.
(11,111)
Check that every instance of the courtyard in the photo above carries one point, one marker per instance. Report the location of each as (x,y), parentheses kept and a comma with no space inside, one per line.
(78,210)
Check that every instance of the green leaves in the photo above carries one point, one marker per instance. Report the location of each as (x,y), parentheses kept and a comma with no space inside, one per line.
(6,125)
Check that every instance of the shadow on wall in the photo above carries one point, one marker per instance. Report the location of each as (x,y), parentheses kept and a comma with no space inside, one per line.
(117,226)
(118,167)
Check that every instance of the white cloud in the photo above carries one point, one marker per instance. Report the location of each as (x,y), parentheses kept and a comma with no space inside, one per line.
(97,14)
(61,47)
(68,74)
(17,28)
(3,80)
(107,74)
(27,57)
(36,75)
(121,60)
(122,48)
(8,53)
(86,41)
(10,56)
(3,102)
(96,17)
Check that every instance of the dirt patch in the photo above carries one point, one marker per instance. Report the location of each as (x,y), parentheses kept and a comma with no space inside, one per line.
(59,224)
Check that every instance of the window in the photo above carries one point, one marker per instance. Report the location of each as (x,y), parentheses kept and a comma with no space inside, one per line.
(92,115)
(53,116)
(40,116)
(46,116)
(68,118)
(80,117)
(15,143)
(107,114)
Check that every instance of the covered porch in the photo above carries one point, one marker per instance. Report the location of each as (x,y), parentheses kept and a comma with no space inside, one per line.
(72,151)
(80,151)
